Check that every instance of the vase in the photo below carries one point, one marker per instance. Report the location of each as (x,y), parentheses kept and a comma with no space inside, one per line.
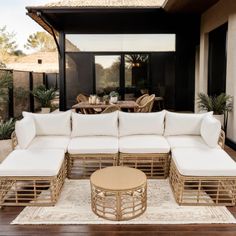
(113,99)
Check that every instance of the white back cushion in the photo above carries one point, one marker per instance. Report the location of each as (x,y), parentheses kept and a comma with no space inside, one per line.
(93,125)
(210,131)
(25,132)
(141,123)
(183,124)
(51,124)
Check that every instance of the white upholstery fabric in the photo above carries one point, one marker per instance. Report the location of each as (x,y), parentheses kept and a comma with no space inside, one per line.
(25,131)
(93,145)
(210,130)
(50,142)
(51,124)
(143,144)
(91,125)
(183,124)
(32,163)
(203,162)
(141,123)
(187,141)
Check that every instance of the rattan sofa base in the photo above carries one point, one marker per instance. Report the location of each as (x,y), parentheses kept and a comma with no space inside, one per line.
(202,190)
(83,165)
(32,190)
(154,165)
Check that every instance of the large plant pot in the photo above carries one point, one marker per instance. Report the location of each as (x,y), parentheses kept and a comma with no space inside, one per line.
(220,118)
(5,149)
(45,110)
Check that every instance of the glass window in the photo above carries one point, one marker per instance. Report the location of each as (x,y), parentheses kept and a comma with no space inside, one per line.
(120,42)
(107,73)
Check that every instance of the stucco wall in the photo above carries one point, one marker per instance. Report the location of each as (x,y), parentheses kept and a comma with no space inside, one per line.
(222,12)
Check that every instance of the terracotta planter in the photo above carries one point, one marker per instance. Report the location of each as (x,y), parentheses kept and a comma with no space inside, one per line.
(5,149)
(45,110)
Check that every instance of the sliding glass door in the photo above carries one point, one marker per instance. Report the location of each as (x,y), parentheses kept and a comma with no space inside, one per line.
(107,73)
(125,73)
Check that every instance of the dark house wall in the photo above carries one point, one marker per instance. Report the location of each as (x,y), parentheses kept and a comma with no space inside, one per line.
(186,28)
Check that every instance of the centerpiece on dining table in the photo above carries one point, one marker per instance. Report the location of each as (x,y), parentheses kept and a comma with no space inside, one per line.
(114,97)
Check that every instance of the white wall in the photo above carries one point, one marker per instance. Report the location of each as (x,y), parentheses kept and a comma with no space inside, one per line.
(222,12)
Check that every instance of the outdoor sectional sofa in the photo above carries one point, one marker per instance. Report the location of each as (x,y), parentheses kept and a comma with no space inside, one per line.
(185,147)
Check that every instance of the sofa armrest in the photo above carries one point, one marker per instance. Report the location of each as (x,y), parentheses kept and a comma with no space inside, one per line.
(14,141)
(221,140)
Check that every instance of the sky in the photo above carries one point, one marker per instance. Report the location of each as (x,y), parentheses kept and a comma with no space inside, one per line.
(13,15)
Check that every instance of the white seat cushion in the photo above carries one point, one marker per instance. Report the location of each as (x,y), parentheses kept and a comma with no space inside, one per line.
(188,141)
(50,142)
(143,144)
(203,162)
(141,123)
(51,124)
(32,163)
(93,145)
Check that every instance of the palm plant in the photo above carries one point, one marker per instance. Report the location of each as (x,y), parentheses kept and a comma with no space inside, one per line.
(6,128)
(44,95)
(220,105)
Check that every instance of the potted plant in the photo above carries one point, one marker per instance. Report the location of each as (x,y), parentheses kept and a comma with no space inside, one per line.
(44,96)
(220,105)
(106,99)
(6,129)
(114,97)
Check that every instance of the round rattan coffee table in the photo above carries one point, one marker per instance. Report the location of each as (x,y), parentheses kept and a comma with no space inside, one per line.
(118,193)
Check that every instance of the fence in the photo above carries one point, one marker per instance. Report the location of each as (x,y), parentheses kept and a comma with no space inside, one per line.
(19,97)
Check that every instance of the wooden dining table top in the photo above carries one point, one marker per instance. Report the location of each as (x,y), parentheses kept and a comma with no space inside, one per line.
(121,104)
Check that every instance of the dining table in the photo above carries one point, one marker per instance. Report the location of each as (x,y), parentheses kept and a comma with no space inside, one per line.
(127,105)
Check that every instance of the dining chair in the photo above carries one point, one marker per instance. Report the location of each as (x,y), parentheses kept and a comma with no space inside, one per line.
(111,108)
(84,98)
(146,104)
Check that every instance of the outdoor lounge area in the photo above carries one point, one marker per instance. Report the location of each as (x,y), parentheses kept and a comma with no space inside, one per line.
(135,134)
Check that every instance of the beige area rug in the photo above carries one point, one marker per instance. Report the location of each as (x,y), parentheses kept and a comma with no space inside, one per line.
(73,207)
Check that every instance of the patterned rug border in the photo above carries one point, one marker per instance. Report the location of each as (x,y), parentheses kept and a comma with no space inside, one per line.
(28,215)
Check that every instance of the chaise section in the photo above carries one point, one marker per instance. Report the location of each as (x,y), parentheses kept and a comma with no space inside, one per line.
(32,177)
(93,145)
(203,176)
(141,144)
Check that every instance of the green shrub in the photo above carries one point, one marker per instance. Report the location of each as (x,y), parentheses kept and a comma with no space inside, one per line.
(44,96)
(6,128)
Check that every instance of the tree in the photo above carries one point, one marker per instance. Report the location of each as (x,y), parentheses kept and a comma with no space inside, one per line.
(7,44)
(40,41)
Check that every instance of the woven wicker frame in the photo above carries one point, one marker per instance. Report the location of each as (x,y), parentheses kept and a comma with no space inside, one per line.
(154,165)
(31,190)
(83,165)
(119,205)
(202,190)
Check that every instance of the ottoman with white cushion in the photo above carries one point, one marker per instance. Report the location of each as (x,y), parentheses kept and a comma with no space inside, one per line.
(32,177)
(93,144)
(203,176)
(142,145)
